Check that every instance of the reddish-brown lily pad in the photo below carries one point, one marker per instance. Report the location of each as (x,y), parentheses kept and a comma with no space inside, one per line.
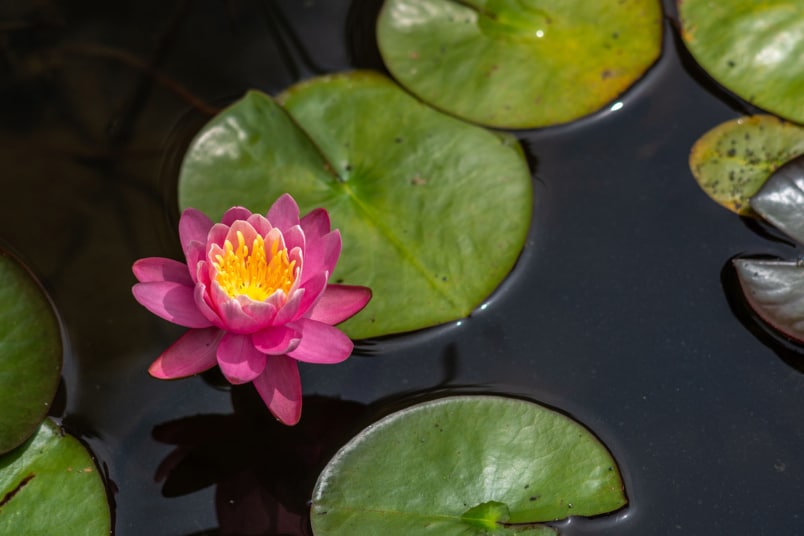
(773,288)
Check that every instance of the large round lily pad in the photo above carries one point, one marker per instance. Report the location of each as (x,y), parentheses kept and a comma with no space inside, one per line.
(519,63)
(30,353)
(51,485)
(465,465)
(433,211)
(755,49)
(733,160)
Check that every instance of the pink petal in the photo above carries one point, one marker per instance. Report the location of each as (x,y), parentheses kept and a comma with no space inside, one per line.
(312,292)
(172,301)
(277,340)
(263,313)
(260,224)
(153,269)
(291,309)
(235,318)
(235,213)
(321,256)
(239,361)
(294,238)
(194,227)
(339,302)
(321,343)
(194,352)
(279,385)
(316,223)
(216,236)
(284,213)
(274,235)
(244,227)
(202,302)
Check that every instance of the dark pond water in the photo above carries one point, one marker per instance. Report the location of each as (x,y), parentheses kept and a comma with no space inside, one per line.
(622,311)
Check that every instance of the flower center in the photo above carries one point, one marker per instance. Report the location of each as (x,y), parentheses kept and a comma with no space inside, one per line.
(241,272)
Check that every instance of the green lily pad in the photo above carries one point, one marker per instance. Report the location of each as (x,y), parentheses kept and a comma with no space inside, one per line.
(519,63)
(433,211)
(30,353)
(754,49)
(50,485)
(733,160)
(466,465)
(775,291)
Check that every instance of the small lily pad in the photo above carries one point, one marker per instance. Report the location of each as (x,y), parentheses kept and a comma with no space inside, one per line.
(755,49)
(51,485)
(466,465)
(519,63)
(30,353)
(733,160)
(433,211)
(775,291)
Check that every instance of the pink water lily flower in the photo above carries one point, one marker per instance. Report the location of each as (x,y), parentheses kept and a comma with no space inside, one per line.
(254,293)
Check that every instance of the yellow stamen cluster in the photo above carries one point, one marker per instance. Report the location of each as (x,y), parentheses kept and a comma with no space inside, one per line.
(249,273)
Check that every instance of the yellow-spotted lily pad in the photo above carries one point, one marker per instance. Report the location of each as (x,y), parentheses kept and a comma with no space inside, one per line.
(733,160)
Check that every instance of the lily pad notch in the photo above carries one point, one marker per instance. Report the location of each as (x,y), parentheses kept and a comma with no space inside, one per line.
(433,211)
(52,485)
(519,63)
(466,465)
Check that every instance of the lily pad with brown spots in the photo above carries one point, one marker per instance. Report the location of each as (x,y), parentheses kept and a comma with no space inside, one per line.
(733,160)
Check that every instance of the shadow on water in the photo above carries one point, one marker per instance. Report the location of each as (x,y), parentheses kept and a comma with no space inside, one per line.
(264,472)
(361,35)
(789,351)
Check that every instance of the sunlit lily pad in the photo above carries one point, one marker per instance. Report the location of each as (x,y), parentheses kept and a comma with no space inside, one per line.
(519,63)
(755,49)
(50,485)
(465,465)
(433,211)
(734,159)
(30,353)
